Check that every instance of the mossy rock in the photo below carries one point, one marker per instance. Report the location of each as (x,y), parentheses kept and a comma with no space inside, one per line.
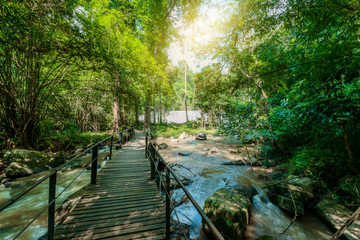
(266,237)
(288,205)
(298,193)
(27,162)
(305,183)
(230,210)
(334,215)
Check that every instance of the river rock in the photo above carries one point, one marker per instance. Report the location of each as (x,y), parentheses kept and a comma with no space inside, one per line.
(173,183)
(232,150)
(27,162)
(334,215)
(18,169)
(288,205)
(184,154)
(200,136)
(303,190)
(236,163)
(162,146)
(230,210)
(214,150)
(263,176)
(255,162)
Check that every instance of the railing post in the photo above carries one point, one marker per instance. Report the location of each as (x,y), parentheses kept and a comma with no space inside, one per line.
(111,146)
(121,139)
(146,145)
(167,204)
(152,161)
(94,164)
(51,209)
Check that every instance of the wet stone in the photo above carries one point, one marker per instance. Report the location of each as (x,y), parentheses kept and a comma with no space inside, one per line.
(184,154)
(200,136)
(230,210)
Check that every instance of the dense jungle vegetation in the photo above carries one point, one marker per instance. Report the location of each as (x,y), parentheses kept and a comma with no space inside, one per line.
(285,74)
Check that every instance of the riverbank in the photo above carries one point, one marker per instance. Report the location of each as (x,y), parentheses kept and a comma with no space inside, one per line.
(212,170)
(17,163)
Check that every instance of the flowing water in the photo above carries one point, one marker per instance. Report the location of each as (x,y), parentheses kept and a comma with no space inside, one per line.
(17,216)
(208,175)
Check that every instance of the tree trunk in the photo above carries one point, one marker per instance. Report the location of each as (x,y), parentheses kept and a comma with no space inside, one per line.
(160,112)
(347,143)
(136,113)
(147,110)
(115,115)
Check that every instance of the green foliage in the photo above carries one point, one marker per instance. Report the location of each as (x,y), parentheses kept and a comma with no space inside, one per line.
(292,82)
(94,62)
(175,130)
(71,140)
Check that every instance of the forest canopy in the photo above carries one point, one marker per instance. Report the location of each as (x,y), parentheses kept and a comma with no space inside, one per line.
(76,65)
(285,74)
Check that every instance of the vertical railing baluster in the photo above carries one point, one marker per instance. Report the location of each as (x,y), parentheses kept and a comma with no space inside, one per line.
(146,144)
(167,204)
(152,161)
(94,164)
(51,209)
(121,139)
(111,146)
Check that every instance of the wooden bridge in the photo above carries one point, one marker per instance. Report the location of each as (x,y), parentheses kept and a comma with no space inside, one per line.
(123,200)
(124,203)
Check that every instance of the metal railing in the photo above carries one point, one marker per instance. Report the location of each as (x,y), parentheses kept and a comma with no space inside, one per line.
(124,136)
(159,164)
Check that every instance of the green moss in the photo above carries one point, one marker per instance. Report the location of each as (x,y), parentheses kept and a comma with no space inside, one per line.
(229,210)
(26,162)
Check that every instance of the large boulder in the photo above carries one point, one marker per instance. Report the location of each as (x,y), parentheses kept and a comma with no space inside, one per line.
(303,190)
(200,136)
(27,162)
(288,205)
(230,210)
(334,215)
(18,169)
(162,146)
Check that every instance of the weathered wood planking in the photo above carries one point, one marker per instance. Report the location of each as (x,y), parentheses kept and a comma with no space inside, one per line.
(123,204)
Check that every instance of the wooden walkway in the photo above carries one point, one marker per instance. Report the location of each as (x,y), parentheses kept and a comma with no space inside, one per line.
(123,204)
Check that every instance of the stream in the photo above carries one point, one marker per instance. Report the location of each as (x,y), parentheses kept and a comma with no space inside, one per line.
(17,216)
(208,175)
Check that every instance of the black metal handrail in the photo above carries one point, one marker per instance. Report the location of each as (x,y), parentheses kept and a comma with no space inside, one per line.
(129,134)
(155,158)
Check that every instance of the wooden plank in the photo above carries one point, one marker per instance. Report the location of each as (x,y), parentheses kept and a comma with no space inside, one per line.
(119,224)
(104,205)
(120,219)
(123,204)
(125,213)
(118,231)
